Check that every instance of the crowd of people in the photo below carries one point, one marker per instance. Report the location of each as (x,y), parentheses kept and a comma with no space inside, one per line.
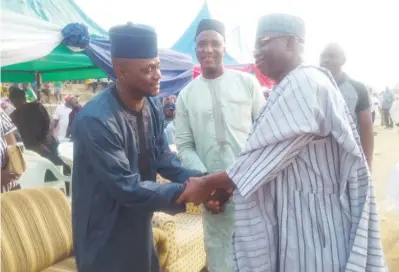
(25,120)
(283,177)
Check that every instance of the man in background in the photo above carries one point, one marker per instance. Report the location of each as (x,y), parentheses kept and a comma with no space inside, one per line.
(386,104)
(169,111)
(375,104)
(58,91)
(73,103)
(46,90)
(61,119)
(214,115)
(355,94)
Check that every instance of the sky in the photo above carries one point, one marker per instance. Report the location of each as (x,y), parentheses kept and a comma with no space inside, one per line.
(365,29)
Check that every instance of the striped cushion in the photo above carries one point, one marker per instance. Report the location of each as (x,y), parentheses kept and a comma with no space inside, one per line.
(36,229)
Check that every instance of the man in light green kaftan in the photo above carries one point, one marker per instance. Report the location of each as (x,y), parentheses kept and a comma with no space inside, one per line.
(214,115)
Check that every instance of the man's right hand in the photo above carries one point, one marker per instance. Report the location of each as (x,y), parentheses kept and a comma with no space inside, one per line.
(217,201)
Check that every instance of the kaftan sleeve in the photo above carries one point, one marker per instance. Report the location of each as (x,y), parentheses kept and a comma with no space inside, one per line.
(106,158)
(185,139)
(169,166)
(283,129)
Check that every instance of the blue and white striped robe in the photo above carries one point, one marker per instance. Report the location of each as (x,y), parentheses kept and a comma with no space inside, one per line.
(304,199)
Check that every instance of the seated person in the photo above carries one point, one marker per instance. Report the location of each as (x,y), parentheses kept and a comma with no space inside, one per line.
(33,123)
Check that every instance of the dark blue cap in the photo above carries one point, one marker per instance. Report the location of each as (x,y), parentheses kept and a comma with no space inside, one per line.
(211,24)
(133,41)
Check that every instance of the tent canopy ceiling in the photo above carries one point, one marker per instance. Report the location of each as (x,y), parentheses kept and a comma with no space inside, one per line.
(45,19)
(60,59)
(61,64)
(33,45)
(59,12)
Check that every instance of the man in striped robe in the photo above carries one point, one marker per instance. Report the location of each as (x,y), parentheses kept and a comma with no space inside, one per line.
(303,191)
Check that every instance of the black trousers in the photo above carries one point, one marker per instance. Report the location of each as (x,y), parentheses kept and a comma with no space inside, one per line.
(387,118)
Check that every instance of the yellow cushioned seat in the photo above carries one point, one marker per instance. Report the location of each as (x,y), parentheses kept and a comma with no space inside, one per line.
(190,243)
(161,245)
(185,234)
(67,265)
(36,229)
(36,232)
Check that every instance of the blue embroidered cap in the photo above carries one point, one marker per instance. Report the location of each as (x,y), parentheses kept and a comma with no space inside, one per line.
(133,41)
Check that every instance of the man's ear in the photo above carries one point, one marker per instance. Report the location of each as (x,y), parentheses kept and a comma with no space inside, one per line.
(343,61)
(118,69)
(290,43)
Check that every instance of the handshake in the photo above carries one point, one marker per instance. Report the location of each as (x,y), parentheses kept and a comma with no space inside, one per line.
(207,190)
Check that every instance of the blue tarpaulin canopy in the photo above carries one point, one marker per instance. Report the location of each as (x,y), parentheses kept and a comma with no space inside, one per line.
(186,43)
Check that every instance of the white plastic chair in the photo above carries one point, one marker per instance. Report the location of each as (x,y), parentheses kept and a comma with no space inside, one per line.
(65,151)
(36,167)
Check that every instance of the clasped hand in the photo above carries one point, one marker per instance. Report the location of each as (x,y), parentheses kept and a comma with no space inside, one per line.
(198,190)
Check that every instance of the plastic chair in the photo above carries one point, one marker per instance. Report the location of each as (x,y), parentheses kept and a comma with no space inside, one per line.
(65,151)
(36,167)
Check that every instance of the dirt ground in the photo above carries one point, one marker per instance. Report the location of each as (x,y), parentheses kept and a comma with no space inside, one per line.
(386,156)
(84,92)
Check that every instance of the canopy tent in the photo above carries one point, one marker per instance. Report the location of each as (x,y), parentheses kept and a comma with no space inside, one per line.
(186,43)
(57,12)
(31,46)
(238,46)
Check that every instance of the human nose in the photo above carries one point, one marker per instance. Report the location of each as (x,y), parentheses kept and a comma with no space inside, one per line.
(157,74)
(207,48)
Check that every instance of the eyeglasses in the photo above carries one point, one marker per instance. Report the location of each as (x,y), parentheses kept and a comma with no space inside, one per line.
(264,41)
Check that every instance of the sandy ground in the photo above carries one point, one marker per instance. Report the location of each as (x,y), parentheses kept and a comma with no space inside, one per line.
(386,156)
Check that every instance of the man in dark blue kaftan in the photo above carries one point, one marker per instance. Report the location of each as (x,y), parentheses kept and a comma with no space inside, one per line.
(119,147)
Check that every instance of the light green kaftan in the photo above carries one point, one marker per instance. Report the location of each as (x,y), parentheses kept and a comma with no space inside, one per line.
(213,120)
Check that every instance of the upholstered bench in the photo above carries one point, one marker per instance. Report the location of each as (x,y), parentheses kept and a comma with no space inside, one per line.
(185,238)
(36,232)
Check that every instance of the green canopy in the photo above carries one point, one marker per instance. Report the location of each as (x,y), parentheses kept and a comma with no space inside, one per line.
(61,64)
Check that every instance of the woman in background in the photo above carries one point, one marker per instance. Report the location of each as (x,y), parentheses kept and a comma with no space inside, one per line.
(33,123)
